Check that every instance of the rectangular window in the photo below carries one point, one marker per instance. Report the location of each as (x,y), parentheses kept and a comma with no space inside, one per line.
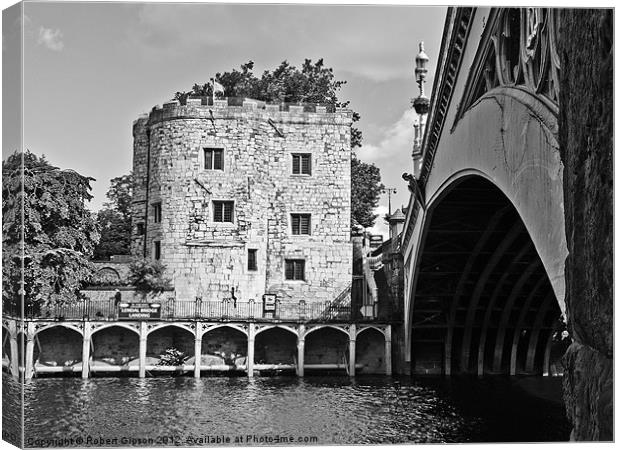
(302,164)
(157,212)
(300,224)
(295,269)
(214,159)
(140,229)
(223,211)
(156,249)
(252,265)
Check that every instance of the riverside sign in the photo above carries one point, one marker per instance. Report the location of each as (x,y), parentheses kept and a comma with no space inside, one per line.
(133,311)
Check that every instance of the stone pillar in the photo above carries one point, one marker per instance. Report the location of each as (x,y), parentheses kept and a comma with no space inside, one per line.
(197,353)
(86,350)
(249,360)
(352,337)
(29,358)
(142,354)
(14,356)
(300,350)
(388,350)
(586,145)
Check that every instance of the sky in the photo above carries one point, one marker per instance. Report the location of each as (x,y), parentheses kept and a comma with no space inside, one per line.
(91,68)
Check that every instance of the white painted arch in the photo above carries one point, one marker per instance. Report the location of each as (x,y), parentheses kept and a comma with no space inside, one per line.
(271,327)
(60,324)
(370,327)
(223,325)
(99,328)
(181,326)
(320,327)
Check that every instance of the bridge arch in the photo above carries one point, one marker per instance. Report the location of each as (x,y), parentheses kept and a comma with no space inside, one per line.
(475,271)
(508,136)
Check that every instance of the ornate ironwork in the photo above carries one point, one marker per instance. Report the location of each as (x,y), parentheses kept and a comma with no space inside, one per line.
(518,49)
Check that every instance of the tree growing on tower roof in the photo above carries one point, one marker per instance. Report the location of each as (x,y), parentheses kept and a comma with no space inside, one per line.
(313,83)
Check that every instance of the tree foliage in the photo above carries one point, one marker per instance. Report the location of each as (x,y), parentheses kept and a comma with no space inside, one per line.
(366,187)
(115,219)
(148,275)
(58,232)
(313,83)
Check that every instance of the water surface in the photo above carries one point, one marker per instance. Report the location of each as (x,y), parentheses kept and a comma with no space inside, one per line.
(315,410)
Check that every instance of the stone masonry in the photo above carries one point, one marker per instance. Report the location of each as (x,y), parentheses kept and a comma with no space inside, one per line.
(207,258)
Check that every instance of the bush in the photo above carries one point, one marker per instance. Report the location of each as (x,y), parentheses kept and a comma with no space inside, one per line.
(171,357)
(147,275)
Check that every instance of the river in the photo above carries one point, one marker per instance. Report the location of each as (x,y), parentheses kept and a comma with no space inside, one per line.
(320,410)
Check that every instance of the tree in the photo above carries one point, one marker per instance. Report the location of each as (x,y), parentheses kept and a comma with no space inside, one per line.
(115,219)
(147,275)
(59,233)
(366,187)
(313,83)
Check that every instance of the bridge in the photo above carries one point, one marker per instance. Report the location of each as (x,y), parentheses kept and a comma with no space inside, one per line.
(484,242)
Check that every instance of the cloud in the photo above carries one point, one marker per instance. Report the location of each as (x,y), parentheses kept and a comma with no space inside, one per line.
(392,154)
(380,227)
(396,141)
(52,39)
(377,43)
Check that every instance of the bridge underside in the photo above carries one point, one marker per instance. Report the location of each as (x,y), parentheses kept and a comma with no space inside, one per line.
(483,301)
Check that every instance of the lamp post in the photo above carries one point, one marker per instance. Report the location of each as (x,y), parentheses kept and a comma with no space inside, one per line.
(421,105)
(389,192)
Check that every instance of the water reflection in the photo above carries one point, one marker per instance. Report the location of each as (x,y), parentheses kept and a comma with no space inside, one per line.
(336,410)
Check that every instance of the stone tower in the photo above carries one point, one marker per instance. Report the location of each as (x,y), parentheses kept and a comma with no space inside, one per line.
(240,198)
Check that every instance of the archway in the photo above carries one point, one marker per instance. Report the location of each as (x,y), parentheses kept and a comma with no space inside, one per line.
(370,351)
(326,348)
(113,347)
(169,345)
(57,347)
(483,302)
(275,346)
(6,349)
(224,348)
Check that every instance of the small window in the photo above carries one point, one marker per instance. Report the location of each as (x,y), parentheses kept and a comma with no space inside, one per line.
(157,212)
(214,159)
(300,224)
(140,229)
(252,265)
(295,269)
(156,249)
(223,211)
(302,164)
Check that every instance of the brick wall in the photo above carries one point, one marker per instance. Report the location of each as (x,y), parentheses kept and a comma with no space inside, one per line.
(209,259)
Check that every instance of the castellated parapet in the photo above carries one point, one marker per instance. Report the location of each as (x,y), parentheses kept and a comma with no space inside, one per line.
(207,258)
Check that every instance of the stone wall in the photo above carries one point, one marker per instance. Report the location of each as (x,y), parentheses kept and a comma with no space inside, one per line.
(275,346)
(226,341)
(209,259)
(58,346)
(115,345)
(326,346)
(586,142)
(370,351)
(160,340)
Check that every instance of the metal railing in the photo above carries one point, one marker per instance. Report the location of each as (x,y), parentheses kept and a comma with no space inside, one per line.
(226,310)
